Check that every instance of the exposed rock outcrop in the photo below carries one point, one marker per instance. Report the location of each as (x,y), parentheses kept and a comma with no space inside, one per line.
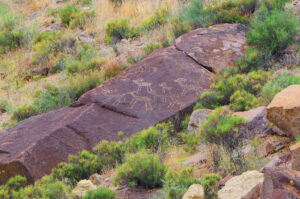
(198,117)
(280,182)
(284,111)
(257,122)
(295,151)
(195,191)
(164,86)
(239,186)
(82,187)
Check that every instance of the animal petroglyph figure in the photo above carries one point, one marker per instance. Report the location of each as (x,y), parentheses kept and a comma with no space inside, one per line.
(144,99)
(165,88)
(141,83)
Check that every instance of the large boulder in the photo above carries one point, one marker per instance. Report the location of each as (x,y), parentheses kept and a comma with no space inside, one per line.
(257,122)
(198,117)
(295,151)
(163,86)
(284,111)
(280,182)
(239,186)
(195,191)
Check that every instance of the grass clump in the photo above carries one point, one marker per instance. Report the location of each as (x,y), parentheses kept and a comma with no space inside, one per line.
(100,193)
(150,47)
(24,112)
(4,106)
(159,17)
(141,169)
(79,167)
(118,29)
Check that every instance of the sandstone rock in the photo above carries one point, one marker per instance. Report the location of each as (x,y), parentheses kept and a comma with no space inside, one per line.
(196,159)
(254,193)
(162,87)
(257,122)
(280,182)
(195,191)
(96,179)
(38,71)
(198,117)
(210,48)
(271,144)
(239,186)
(284,111)
(82,187)
(295,151)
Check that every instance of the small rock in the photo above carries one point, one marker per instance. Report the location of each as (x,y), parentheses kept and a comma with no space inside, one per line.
(87,9)
(195,191)
(196,159)
(82,187)
(295,151)
(96,179)
(198,117)
(239,186)
(60,1)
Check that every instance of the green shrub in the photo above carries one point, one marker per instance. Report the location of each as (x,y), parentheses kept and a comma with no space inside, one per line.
(233,11)
(110,153)
(241,100)
(16,183)
(272,32)
(66,14)
(118,29)
(73,66)
(52,98)
(221,128)
(150,47)
(298,139)
(80,19)
(95,63)
(100,193)
(196,15)
(160,17)
(179,27)
(274,86)
(176,184)
(46,45)
(47,188)
(79,167)
(141,169)
(153,138)
(228,81)
(211,185)
(24,112)
(4,105)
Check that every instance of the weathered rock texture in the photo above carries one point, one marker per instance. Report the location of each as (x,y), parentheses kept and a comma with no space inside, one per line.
(198,117)
(215,47)
(195,191)
(82,187)
(239,186)
(284,111)
(295,151)
(280,182)
(163,86)
(257,122)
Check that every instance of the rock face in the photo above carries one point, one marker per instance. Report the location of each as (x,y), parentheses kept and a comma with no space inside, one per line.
(210,48)
(195,191)
(164,86)
(198,117)
(82,187)
(239,186)
(280,182)
(295,151)
(257,122)
(284,111)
